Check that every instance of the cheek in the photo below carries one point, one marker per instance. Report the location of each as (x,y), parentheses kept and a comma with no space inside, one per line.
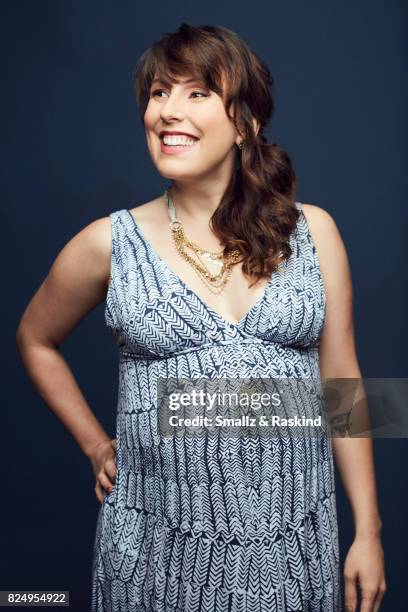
(149,117)
(215,123)
(150,127)
(218,139)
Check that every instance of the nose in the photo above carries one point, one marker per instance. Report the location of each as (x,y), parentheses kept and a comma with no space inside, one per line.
(172,108)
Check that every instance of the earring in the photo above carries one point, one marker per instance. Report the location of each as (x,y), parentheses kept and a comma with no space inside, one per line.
(241,145)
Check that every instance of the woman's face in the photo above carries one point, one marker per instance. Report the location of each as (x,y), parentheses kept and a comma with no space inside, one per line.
(188,106)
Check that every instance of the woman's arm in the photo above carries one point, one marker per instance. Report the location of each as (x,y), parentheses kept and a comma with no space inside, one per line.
(338,359)
(76,283)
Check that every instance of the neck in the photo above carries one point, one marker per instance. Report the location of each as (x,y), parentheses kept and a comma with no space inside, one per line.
(196,203)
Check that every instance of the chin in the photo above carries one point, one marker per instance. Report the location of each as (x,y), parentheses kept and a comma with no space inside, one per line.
(180,177)
(178,174)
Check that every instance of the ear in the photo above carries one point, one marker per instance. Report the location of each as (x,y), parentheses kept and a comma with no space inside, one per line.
(255,123)
(256,126)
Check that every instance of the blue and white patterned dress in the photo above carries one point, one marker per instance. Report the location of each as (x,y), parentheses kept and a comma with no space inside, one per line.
(190,525)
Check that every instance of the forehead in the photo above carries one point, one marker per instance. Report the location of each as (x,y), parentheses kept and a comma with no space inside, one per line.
(170,80)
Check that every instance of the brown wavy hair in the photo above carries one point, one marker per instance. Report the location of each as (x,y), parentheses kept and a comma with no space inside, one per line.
(257,212)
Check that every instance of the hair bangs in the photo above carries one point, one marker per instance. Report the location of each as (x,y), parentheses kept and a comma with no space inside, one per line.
(184,53)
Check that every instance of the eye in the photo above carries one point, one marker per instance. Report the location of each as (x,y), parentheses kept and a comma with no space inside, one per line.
(200,93)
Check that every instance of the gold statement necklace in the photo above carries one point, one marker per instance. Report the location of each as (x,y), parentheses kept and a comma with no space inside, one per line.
(224,261)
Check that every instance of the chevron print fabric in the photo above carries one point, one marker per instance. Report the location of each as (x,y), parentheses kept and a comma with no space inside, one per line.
(213,524)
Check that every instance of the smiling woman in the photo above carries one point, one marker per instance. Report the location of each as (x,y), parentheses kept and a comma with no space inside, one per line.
(201,520)
(212,522)
(207,84)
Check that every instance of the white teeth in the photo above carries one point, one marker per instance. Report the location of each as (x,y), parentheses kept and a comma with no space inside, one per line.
(178,140)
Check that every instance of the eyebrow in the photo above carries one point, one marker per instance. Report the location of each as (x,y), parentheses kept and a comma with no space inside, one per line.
(192,80)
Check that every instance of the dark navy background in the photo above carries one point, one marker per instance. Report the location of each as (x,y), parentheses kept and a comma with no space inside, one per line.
(75,150)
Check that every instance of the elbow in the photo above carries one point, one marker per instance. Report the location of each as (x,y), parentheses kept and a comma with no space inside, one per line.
(20,337)
(26,339)
(22,334)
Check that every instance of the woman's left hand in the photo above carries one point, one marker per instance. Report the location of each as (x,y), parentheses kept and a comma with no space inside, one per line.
(364,565)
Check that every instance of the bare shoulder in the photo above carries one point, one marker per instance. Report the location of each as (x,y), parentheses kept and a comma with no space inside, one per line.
(329,244)
(93,243)
(322,227)
(97,233)
(319,220)
(83,264)
(76,283)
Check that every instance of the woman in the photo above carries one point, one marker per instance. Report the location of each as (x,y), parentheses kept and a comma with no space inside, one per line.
(245,283)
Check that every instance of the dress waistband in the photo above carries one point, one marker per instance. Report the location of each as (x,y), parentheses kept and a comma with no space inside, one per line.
(209,346)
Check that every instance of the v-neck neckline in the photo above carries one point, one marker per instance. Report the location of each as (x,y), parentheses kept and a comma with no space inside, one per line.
(180,281)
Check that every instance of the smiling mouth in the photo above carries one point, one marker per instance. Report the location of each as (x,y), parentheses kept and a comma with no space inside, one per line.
(174,149)
(190,142)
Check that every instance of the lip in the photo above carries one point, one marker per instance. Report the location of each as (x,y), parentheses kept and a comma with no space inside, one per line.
(176,133)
